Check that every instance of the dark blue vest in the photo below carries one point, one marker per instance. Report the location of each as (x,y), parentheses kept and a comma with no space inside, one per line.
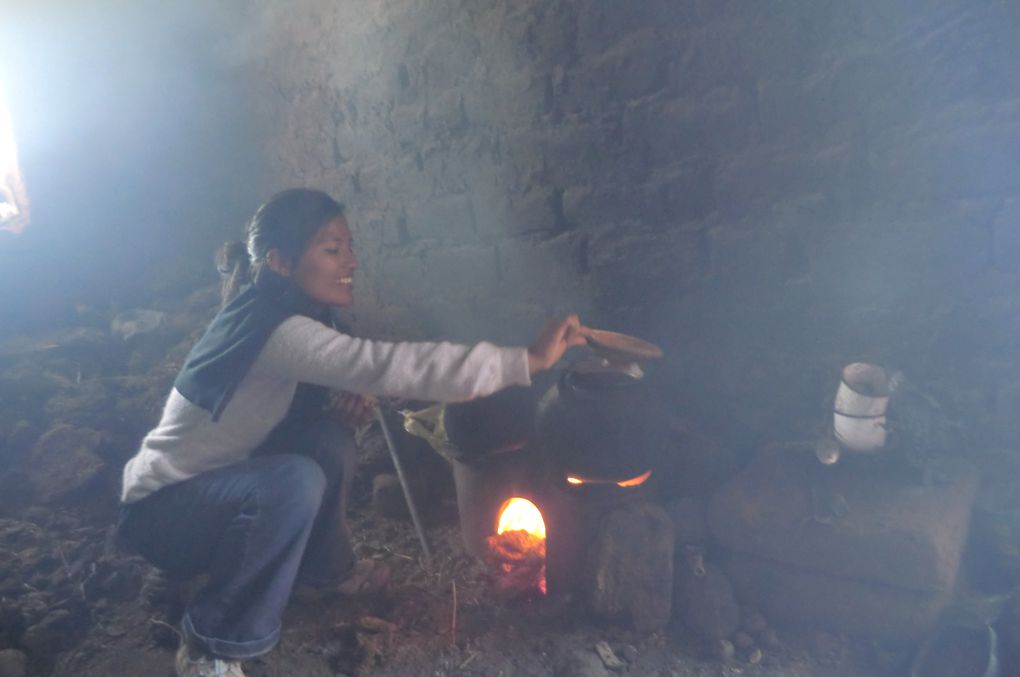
(220,360)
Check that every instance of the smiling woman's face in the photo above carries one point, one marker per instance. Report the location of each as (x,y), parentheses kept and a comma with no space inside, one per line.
(326,268)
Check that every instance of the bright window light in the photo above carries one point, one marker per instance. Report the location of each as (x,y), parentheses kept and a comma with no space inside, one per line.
(13,198)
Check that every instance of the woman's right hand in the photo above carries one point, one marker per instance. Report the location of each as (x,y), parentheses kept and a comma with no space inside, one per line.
(555,339)
(351,409)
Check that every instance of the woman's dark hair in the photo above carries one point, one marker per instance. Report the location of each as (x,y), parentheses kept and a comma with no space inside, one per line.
(286,222)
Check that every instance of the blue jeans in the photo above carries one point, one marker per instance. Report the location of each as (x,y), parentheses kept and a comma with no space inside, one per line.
(253,527)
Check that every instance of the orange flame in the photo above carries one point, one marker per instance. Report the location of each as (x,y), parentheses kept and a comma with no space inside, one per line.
(632,482)
(520,514)
(518,548)
(636,481)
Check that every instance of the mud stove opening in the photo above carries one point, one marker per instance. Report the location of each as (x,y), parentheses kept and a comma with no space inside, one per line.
(534,530)
(532,511)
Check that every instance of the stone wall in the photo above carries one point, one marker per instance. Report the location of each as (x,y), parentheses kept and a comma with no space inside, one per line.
(768,190)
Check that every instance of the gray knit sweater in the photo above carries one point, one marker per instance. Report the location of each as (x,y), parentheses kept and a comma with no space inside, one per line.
(187,442)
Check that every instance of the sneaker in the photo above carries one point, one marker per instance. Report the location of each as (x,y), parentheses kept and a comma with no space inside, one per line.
(188,665)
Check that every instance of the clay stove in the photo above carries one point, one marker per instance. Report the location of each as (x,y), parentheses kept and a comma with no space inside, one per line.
(584,456)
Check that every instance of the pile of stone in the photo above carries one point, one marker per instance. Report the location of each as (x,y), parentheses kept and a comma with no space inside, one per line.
(78,400)
(76,403)
(58,576)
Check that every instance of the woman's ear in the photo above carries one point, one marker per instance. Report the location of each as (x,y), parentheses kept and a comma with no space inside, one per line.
(277,263)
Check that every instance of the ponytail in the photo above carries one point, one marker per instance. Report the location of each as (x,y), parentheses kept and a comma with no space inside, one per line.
(234,266)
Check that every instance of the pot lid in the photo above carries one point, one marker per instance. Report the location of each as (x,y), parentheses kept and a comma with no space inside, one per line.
(617,347)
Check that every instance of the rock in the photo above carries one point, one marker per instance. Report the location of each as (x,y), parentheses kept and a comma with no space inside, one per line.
(743,641)
(15,490)
(581,663)
(82,339)
(885,568)
(88,403)
(54,633)
(752,622)
(703,597)
(891,533)
(770,639)
(135,325)
(12,620)
(688,516)
(632,567)
(829,649)
(111,578)
(724,650)
(62,461)
(13,663)
(388,497)
(609,659)
(23,435)
(798,595)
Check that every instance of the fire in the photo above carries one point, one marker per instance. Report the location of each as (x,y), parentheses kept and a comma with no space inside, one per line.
(518,548)
(636,481)
(520,514)
(632,482)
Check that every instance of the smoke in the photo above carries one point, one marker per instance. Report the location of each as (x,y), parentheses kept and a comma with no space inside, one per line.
(136,139)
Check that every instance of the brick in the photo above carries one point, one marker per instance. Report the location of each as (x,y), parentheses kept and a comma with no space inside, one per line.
(445,113)
(538,210)
(449,55)
(509,102)
(398,279)
(894,534)
(406,123)
(448,218)
(721,120)
(637,66)
(934,162)
(547,272)
(751,182)
(642,267)
(469,271)
(649,202)
(575,153)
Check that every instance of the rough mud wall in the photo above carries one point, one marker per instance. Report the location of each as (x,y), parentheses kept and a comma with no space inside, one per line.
(769,190)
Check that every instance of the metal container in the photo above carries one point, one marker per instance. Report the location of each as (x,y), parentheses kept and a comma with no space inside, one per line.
(858,416)
(593,425)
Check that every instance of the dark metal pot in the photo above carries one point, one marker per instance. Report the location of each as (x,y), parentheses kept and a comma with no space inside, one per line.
(593,426)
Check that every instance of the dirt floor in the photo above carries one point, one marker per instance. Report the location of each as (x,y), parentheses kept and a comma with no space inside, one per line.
(445,621)
(72,604)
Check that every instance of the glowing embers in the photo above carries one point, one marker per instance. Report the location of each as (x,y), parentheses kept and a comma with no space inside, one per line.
(518,548)
(630,482)
(13,199)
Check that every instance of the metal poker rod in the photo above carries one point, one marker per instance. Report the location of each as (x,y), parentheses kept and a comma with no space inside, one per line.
(405,487)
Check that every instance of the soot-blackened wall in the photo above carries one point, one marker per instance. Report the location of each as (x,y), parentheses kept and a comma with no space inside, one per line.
(768,190)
